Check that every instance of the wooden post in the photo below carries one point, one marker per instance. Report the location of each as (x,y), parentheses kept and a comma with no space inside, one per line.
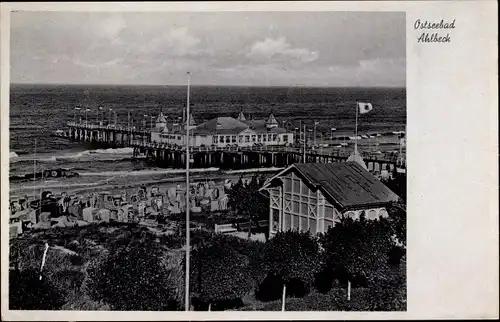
(283,299)
(348,290)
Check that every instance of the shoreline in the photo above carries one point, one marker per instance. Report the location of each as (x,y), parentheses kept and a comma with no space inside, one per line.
(170,179)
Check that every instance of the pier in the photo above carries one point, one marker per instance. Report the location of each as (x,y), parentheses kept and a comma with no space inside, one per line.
(233,157)
(114,136)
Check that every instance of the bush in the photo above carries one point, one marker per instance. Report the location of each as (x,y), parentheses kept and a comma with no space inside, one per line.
(292,257)
(132,278)
(355,249)
(28,292)
(219,273)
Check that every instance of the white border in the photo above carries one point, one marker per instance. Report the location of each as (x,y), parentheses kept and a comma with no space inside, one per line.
(452,161)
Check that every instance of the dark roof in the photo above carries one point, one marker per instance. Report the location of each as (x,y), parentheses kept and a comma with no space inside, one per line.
(260,126)
(345,184)
(221,125)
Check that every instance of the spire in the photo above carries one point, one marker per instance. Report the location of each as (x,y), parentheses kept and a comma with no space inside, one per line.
(241,117)
(356,157)
(161,118)
(271,121)
(192,122)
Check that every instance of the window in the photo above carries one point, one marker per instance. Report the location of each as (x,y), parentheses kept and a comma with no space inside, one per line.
(264,138)
(351,215)
(303,223)
(295,222)
(372,214)
(247,138)
(383,213)
(295,207)
(216,139)
(285,138)
(286,221)
(312,226)
(329,212)
(241,138)
(178,137)
(303,209)
(296,186)
(233,139)
(228,139)
(254,138)
(288,186)
(274,137)
(269,137)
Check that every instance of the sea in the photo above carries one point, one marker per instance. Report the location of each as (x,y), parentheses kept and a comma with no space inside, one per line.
(38,110)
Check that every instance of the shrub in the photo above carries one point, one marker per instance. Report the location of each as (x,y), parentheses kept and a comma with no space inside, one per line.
(355,249)
(28,292)
(132,278)
(219,273)
(292,257)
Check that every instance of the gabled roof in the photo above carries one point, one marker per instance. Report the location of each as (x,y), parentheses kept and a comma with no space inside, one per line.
(271,119)
(344,184)
(161,118)
(241,117)
(221,125)
(356,157)
(192,121)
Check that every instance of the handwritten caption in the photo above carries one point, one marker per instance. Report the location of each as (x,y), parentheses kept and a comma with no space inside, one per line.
(434,31)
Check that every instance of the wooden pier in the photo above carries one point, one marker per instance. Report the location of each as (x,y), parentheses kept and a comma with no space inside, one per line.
(173,156)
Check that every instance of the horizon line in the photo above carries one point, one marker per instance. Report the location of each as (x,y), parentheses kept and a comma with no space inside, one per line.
(210,85)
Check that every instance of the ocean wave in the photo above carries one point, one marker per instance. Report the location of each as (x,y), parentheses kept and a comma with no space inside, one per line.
(112,151)
(84,156)
(144,172)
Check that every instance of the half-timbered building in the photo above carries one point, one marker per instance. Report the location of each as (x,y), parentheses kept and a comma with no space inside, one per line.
(313,196)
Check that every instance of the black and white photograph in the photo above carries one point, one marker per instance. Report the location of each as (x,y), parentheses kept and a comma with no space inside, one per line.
(207,161)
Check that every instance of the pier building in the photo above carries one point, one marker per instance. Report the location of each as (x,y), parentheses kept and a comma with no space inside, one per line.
(223,132)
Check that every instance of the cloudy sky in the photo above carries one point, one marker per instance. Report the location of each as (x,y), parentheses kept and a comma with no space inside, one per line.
(223,48)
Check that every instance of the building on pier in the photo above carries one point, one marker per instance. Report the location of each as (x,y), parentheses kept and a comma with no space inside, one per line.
(313,196)
(224,132)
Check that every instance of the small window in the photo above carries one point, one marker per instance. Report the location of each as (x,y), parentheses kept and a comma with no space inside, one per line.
(372,214)
(274,137)
(304,224)
(178,137)
(259,138)
(296,186)
(247,138)
(216,139)
(295,207)
(303,209)
(254,138)
(233,138)
(285,138)
(228,139)
(264,138)
(241,138)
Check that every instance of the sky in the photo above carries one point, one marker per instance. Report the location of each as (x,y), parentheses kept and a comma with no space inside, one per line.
(217,48)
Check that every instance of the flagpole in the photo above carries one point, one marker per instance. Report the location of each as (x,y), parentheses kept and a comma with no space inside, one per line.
(187,198)
(304,138)
(356,133)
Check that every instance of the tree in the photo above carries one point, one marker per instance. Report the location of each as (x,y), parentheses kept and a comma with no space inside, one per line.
(355,249)
(246,199)
(219,274)
(293,258)
(132,278)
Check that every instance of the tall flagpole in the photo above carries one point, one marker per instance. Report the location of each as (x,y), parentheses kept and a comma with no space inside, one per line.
(356,135)
(304,138)
(187,197)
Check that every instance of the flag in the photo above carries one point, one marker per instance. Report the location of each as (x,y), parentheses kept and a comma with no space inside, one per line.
(364,107)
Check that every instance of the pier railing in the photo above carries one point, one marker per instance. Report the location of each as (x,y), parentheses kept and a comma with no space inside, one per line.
(269,148)
(110,127)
